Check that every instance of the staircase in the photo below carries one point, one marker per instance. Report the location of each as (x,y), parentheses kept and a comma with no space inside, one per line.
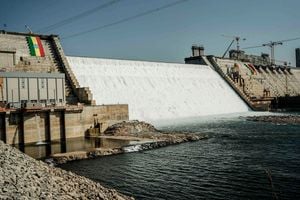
(74,93)
(246,90)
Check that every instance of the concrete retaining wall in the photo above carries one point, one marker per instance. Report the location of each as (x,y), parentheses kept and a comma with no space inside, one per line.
(31,127)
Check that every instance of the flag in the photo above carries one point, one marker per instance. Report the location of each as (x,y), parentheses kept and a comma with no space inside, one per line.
(35,46)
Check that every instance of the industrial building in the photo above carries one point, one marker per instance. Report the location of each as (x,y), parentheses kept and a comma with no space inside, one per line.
(40,98)
(27,89)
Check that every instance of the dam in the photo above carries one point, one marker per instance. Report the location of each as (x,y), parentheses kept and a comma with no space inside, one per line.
(156,90)
(47,96)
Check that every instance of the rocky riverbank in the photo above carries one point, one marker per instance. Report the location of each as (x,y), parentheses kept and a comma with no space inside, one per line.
(135,136)
(22,177)
(145,130)
(277,119)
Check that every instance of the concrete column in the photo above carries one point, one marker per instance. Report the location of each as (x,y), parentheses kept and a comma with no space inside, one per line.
(48,133)
(21,132)
(63,147)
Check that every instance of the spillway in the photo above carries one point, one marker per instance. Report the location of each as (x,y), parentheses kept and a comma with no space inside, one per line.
(156,90)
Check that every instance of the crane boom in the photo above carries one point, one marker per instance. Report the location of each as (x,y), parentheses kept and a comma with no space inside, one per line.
(228,49)
(234,39)
(272,45)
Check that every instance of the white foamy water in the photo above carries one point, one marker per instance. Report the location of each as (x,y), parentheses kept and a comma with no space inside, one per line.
(156,91)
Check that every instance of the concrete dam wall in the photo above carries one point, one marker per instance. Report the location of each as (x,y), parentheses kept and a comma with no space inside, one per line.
(40,98)
(155,90)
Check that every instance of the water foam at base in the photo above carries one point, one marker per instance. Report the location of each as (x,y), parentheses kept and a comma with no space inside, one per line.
(156,90)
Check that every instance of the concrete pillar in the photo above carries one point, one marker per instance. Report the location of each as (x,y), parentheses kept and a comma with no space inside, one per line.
(63,147)
(21,132)
(48,133)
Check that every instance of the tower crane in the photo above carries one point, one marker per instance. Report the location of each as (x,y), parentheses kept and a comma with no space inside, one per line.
(272,45)
(234,39)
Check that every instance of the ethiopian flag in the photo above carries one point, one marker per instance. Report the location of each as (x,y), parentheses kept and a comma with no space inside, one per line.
(35,46)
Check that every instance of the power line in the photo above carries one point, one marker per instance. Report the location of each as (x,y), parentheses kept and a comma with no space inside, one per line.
(272,42)
(126,19)
(272,45)
(76,17)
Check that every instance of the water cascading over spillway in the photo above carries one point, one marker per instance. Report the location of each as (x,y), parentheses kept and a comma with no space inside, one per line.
(37,122)
(155,90)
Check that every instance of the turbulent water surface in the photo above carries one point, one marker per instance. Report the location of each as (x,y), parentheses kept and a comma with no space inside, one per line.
(231,164)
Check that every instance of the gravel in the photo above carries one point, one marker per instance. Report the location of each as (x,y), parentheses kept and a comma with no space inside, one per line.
(22,177)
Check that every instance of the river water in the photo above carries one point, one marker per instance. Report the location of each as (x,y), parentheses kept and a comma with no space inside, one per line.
(231,164)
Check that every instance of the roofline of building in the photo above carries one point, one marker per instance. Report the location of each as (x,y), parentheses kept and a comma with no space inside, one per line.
(27,34)
(21,74)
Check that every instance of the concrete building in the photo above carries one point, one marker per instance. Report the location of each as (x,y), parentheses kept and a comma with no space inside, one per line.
(25,89)
(40,97)
(197,56)
(263,59)
(17,54)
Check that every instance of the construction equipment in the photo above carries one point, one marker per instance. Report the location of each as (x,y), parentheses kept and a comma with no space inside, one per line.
(272,45)
(234,39)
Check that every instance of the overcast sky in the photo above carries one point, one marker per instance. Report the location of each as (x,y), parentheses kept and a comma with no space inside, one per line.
(161,35)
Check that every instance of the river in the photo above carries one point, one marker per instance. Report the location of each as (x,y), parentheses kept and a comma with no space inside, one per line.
(231,164)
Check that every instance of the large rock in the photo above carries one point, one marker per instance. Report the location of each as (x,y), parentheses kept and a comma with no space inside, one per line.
(22,177)
(127,128)
(142,129)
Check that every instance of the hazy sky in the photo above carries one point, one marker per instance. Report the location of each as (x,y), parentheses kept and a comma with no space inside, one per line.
(165,35)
